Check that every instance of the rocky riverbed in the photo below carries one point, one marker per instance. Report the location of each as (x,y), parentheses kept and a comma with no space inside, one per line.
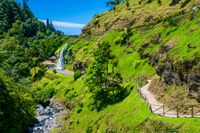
(47,118)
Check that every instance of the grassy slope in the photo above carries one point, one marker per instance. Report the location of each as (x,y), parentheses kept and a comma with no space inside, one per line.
(51,84)
(131,114)
(136,13)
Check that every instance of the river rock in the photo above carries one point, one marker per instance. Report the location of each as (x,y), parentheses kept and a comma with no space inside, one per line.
(47,118)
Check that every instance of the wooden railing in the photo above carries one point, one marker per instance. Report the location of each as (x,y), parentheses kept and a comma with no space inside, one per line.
(174,111)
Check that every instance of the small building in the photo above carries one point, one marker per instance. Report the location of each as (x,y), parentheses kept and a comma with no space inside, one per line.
(48,63)
(53,59)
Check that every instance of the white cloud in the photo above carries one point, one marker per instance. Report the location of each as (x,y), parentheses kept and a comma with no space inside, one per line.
(66,24)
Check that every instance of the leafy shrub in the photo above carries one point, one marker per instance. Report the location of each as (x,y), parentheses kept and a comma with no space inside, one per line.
(80,105)
(43,96)
(127,3)
(185,3)
(149,1)
(174,2)
(71,95)
(79,110)
(118,40)
(159,2)
(54,71)
(89,129)
(171,21)
(77,75)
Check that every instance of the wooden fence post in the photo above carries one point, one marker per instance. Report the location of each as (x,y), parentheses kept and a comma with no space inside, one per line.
(192,111)
(163,110)
(177,111)
(150,108)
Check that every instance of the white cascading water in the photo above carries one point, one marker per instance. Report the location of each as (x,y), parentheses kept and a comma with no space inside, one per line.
(61,60)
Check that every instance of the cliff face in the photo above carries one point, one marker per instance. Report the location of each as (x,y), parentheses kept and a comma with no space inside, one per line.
(187,72)
(165,32)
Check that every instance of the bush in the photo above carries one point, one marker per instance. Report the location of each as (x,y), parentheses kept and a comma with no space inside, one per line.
(71,95)
(149,1)
(43,96)
(77,75)
(79,110)
(118,40)
(159,2)
(81,105)
(54,71)
(127,3)
(89,129)
(171,21)
(174,2)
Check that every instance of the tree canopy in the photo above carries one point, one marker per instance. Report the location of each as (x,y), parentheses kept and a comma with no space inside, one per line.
(24,43)
(102,83)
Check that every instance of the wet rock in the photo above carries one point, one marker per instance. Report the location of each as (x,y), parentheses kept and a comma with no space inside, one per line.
(47,118)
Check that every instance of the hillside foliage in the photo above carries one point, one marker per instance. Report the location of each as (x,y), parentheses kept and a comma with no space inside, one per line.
(135,39)
(24,43)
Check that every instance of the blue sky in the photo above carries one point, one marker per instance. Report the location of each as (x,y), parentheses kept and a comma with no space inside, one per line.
(67,15)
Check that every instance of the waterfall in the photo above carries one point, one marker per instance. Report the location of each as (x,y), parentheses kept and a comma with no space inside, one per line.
(61,60)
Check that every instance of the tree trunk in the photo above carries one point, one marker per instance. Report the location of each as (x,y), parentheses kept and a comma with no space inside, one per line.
(113,95)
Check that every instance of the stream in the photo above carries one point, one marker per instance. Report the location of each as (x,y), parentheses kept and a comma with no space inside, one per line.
(46,119)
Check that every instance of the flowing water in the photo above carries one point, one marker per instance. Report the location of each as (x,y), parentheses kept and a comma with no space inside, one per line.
(47,116)
(46,119)
(61,60)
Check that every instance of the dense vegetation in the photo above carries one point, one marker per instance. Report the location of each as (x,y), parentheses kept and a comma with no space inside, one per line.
(153,39)
(156,39)
(17,108)
(24,43)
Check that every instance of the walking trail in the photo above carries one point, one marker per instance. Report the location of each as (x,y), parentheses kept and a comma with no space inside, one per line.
(157,107)
(66,72)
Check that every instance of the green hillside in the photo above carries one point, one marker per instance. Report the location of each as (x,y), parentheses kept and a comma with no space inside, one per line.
(135,40)
(167,45)
(146,39)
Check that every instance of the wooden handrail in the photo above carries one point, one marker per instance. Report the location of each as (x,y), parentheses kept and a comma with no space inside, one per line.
(170,109)
(157,109)
(175,110)
(156,105)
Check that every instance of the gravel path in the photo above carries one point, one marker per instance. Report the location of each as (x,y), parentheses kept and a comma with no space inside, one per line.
(157,107)
(66,72)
